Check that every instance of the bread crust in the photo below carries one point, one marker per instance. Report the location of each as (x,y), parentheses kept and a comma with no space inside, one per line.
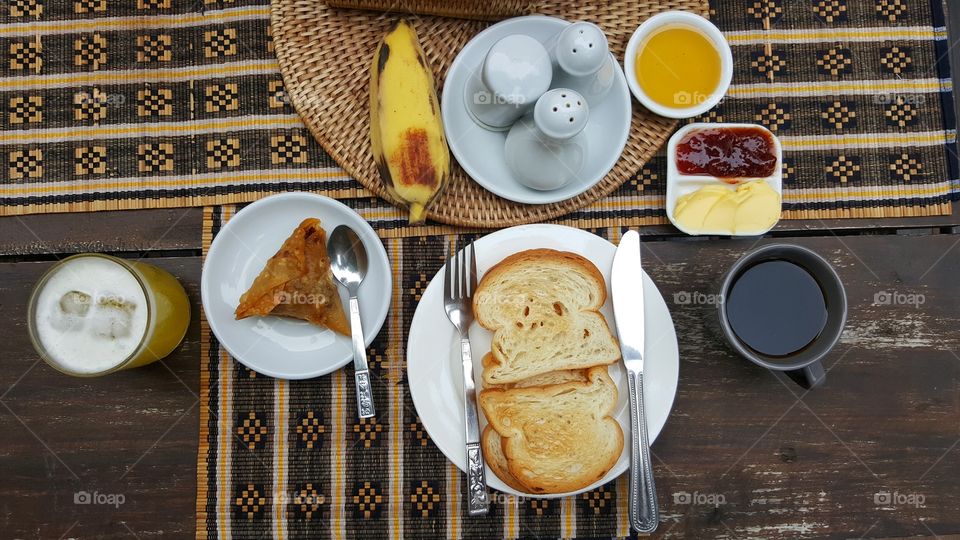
(521,474)
(507,265)
(540,254)
(495,459)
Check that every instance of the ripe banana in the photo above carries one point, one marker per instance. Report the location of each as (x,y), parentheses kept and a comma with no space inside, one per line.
(406,131)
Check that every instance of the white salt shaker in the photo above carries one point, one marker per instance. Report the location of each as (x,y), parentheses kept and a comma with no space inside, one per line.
(515,72)
(584,61)
(546,150)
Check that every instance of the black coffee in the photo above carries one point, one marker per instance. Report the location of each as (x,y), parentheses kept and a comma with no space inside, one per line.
(776,308)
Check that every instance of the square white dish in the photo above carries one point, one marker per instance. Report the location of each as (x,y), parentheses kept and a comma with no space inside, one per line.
(679,184)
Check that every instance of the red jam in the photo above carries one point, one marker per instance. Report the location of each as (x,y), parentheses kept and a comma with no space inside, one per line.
(741,152)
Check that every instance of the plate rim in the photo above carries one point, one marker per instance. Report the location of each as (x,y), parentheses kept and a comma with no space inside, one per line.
(673,394)
(448,103)
(370,333)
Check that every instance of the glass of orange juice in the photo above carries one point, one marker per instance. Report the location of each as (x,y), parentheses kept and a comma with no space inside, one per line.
(93,314)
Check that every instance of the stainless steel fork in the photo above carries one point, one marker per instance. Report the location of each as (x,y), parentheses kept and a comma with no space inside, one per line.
(459,283)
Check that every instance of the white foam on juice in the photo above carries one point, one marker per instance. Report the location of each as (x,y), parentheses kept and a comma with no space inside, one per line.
(90,315)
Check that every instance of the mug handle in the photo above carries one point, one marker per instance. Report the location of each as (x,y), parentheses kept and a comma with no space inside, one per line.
(809,377)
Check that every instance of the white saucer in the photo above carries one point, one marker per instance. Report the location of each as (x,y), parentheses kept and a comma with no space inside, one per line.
(433,365)
(277,346)
(480,151)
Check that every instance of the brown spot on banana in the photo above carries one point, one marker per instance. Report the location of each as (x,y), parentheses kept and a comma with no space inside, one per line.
(412,159)
(383,57)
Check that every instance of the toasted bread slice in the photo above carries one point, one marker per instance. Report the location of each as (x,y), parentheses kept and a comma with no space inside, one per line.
(497,461)
(544,379)
(557,438)
(543,308)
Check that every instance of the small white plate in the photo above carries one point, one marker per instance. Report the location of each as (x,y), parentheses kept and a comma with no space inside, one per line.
(278,346)
(434,371)
(679,185)
(480,151)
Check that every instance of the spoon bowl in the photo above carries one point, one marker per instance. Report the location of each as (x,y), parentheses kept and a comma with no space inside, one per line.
(348,257)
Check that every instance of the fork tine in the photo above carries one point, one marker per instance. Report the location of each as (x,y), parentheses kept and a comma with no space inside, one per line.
(447,277)
(473,269)
(464,276)
(456,270)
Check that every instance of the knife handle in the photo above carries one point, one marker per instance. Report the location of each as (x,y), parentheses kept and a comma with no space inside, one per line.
(644,511)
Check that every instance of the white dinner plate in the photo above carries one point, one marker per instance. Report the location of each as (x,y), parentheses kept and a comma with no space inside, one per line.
(433,361)
(278,346)
(481,152)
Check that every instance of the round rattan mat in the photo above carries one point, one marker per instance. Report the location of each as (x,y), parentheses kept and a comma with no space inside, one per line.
(324,57)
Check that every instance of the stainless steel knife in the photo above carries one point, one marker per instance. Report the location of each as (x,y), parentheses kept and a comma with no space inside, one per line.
(627,285)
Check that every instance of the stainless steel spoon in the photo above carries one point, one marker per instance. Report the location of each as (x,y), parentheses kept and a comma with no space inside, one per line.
(348,261)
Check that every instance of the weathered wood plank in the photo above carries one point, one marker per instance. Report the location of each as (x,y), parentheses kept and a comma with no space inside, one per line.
(132,230)
(785,469)
(132,433)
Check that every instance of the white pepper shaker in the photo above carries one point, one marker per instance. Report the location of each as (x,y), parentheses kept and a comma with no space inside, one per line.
(584,62)
(546,150)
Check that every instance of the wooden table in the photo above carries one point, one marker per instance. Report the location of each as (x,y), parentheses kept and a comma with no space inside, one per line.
(756,456)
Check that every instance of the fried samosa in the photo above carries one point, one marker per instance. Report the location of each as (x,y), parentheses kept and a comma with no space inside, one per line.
(297,282)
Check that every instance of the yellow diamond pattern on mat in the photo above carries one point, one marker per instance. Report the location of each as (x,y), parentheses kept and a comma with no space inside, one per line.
(250,501)
(90,106)
(901,113)
(221,97)
(831,10)
(774,117)
(26,110)
(835,61)
(768,64)
(90,50)
(896,60)
(155,157)
(153,4)
(891,9)
(218,43)
(844,169)
(309,500)
(288,149)
(597,499)
(906,167)
(26,56)
(89,6)
(26,8)
(765,9)
(252,431)
(424,497)
(310,428)
(367,500)
(90,160)
(223,153)
(155,102)
(277,95)
(26,164)
(838,114)
(154,48)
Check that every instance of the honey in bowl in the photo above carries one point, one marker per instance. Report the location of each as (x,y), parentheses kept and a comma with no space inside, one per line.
(678,67)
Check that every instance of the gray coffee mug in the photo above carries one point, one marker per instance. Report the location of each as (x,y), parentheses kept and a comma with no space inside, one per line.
(804,366)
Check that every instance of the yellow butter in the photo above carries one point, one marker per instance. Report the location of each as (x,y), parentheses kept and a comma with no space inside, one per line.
(750,207)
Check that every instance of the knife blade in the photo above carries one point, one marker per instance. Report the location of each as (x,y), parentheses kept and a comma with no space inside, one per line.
(626,282)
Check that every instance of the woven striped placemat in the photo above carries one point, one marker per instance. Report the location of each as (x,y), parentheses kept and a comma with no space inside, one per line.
(290,459)
(160,103)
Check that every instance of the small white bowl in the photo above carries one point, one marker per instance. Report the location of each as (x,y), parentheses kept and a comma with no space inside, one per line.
(679,184)
(678,18)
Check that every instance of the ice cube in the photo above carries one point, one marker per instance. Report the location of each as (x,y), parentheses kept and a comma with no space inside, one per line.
(113,317)
(66,322)
(75,303)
